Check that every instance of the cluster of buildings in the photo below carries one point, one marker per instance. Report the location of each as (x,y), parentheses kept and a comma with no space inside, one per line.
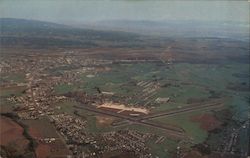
(39,99)
(230,142)
(73,129)
(41,78)
(149,90)
(127,140)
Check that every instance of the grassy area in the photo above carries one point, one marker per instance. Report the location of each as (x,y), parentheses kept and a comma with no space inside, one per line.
(92,126)
(13,77)
(168,106)
(192,129)
(15,90)
(187,80)
(240,106)
(6,106)
(64,88)
(39,125)
(66,106)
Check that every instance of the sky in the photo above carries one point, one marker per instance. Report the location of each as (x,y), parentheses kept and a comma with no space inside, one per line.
(83,11)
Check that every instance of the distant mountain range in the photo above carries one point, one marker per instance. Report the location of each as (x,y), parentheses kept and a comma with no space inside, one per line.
(188,42)
(113,31)
(175,28)
(42,34)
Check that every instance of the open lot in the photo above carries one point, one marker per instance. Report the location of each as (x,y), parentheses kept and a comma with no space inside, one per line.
(37,130)
(12,90)
(12,137)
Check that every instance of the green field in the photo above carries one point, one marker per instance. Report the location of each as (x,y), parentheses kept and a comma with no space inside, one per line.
(184,81)
(64,88)
(6,106)
(65,106)
(14,90)
(12,77)
(192,129)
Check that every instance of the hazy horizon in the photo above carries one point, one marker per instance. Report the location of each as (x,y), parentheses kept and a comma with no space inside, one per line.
(75,11)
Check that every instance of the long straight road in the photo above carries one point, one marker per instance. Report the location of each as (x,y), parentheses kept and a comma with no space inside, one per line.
(171,131)
(173,112)
(181,110)
(145,120)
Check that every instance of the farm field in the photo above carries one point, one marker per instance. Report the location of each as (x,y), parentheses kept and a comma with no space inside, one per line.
(13,139)
(44,149)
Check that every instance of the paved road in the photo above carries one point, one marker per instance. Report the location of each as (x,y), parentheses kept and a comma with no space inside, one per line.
(175,112)
(145,120)
(170,131)
(181,110)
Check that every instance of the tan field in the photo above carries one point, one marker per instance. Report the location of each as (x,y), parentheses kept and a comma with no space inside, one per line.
(122,107)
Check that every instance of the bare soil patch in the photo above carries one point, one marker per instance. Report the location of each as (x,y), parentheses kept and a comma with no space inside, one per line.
(104,120)
(207,121)
(123,108)
(12,133)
